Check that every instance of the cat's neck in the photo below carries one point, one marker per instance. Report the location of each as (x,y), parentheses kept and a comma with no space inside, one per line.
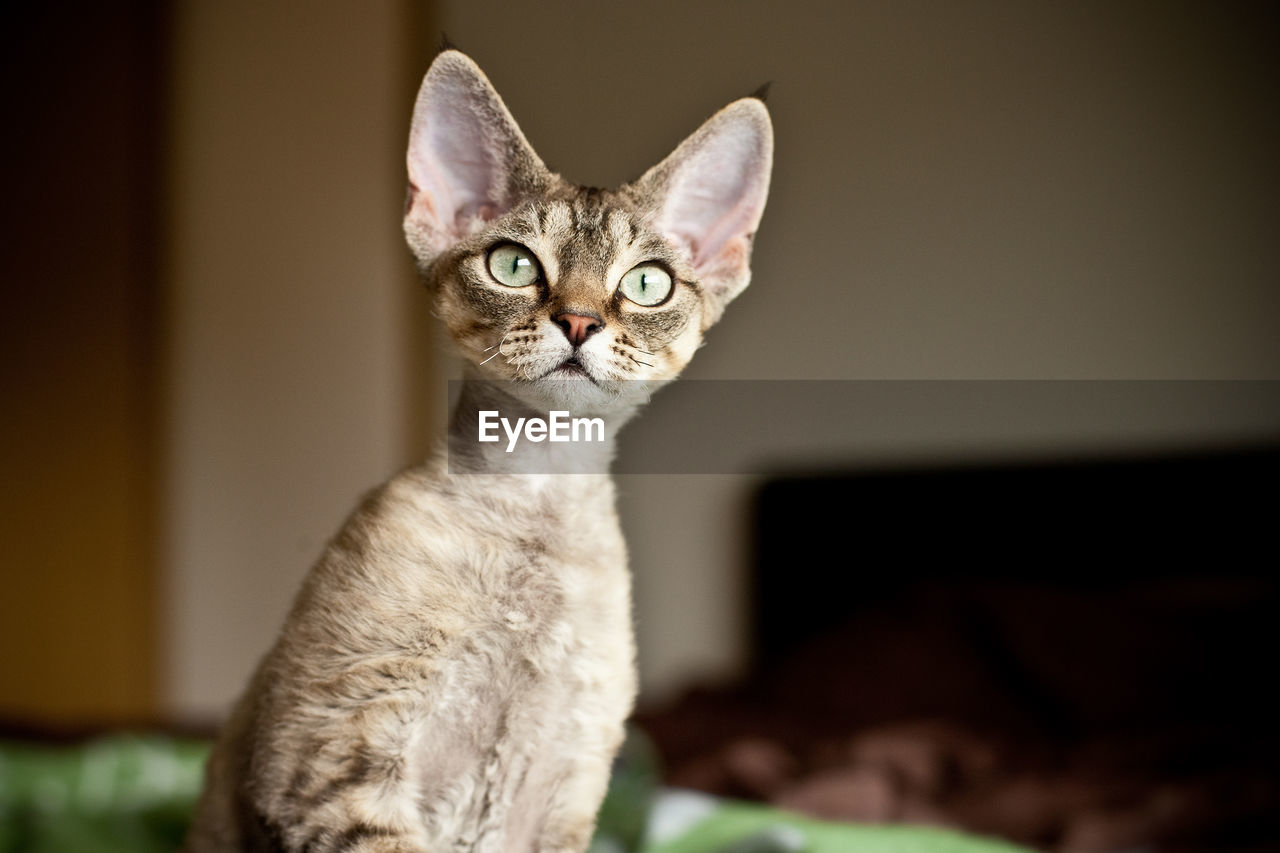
(513,444)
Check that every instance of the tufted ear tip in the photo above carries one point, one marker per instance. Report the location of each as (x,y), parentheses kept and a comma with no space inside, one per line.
(452,64)
(751,114)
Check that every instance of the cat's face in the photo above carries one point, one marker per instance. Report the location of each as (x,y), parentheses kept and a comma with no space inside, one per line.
(582,298)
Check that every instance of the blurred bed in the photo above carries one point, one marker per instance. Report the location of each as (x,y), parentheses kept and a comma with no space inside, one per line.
(1069,656)
(135,794)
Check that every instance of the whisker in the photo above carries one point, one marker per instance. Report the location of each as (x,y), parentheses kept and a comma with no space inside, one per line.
(499,346)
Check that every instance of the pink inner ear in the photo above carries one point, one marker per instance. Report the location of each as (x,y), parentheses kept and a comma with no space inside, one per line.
(717,196)
(461,148)
(451,164)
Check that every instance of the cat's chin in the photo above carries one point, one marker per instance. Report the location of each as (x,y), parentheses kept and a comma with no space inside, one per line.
(571,389)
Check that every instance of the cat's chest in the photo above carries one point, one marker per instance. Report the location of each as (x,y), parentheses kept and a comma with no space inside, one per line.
(538,572)
(525,585)
(552,617)
(539,670)
(483,646)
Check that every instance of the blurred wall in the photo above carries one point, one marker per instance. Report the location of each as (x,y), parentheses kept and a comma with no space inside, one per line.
(198,387)
(976,190)
(985,189)
(297,356)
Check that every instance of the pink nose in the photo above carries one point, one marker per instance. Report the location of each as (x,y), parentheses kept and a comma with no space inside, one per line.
(578,327)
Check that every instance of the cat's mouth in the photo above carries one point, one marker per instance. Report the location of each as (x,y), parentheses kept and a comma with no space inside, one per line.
(570,368)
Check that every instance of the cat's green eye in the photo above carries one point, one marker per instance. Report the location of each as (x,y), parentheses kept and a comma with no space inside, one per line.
(647,284)
(514,266)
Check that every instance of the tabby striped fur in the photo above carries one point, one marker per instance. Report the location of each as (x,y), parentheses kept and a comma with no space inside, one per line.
(455,672)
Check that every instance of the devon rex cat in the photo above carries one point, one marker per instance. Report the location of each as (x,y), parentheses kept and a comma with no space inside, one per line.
(455,672)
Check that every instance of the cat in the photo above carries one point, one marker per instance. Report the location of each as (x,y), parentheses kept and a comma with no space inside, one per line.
(456,670)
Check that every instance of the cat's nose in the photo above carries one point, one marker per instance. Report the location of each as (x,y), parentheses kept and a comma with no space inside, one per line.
(578,327)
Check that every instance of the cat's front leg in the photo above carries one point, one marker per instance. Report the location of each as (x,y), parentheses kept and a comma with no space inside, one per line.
(338,827)
(329,830)
(340,774)
(371,842)
(571,820)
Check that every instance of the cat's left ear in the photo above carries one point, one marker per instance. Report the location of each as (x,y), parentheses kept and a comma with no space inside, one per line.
(468,160)
(707,197)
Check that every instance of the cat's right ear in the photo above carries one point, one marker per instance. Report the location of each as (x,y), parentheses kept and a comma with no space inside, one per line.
(468,160)
(708,195)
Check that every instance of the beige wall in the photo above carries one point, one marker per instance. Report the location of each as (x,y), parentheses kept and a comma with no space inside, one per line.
(294,372)
(985,190)
(979,190)
(962,190)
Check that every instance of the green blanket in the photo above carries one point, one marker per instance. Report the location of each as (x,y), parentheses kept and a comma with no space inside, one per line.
(732,827)
(136,794)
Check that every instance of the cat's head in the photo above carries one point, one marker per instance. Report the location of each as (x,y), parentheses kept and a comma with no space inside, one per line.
(580,297)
